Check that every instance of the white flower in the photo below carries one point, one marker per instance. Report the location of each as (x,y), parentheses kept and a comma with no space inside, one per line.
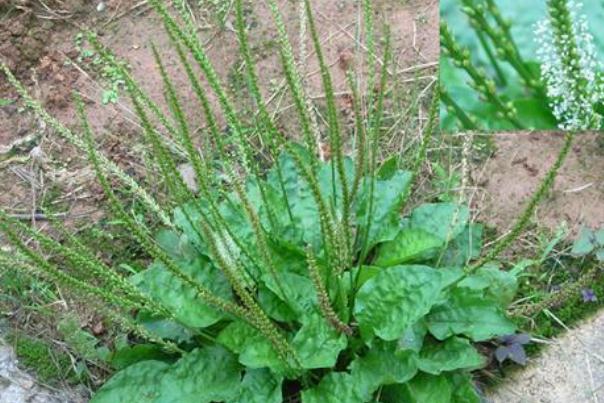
(572,85)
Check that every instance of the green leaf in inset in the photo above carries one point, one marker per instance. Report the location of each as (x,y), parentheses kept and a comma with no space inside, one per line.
(535,113)
(337,387)
(470,314)
(317,343)
(259,386)
(160,284)
(454,353)
(384,364)
(395,299)
(410,245)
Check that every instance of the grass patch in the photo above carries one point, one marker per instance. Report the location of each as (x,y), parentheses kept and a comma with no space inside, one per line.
(50,365)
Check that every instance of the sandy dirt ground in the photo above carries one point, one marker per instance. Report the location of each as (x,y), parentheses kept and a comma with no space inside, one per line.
(506,181)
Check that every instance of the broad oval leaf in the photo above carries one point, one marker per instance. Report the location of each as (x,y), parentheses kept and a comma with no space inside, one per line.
(470,314)
(384,364)
(454,353)
(202,376)
(254,350)
(317,343)
(410,245)
(385,215)
(160,284)
(336,387)
(259,386)
(443,220)
(423,388)
(395,299)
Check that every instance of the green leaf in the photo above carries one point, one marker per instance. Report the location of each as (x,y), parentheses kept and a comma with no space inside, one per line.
(337,387)
(164,328)
(130,355)
(274,306)
(383,364)
(366,273)
(160,284)
(454,353)
(443,220)
(388,168)
(5,102)
(176,246)
(395,299)
(259,386)
(464,389)
(410,245)
(317,343)
(424,388)
(387,199)
(600,254)
(298,291)
(585,243)
(499,285)
(464,247)
(535,113)
(203,375)
(470,314)
(304,229)
(254,350)
(413,338)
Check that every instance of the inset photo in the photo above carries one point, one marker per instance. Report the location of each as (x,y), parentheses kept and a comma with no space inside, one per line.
(522,65)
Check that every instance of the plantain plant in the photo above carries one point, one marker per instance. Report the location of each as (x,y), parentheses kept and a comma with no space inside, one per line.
(285,276)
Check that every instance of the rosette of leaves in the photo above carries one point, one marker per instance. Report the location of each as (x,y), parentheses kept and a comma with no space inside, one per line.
(401,321)
(285,276)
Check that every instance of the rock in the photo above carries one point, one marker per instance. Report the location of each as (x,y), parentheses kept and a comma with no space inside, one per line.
(17,386)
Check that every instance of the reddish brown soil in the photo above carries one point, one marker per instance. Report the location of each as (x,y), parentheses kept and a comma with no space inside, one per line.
(35,43)
(509,178)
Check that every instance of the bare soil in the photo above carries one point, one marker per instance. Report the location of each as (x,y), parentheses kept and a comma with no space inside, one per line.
(507,180)
(36,42)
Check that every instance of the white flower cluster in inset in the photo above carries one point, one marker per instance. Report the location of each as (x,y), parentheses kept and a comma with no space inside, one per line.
(572,100)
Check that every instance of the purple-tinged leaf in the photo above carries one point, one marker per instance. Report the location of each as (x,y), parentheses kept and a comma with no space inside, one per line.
(517,354)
